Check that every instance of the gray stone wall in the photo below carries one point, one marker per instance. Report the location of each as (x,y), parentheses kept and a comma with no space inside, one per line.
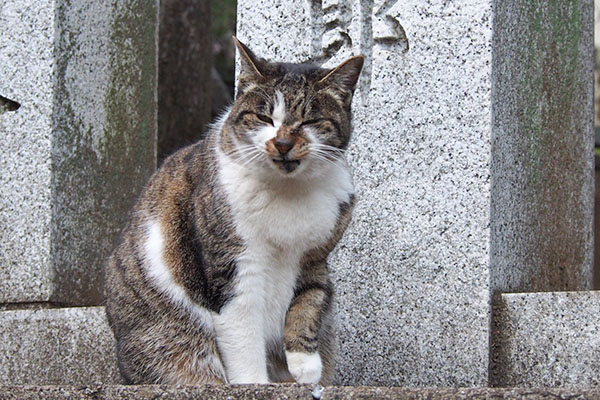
(412,271)
(66,346)
(471,156)
(78,120)
(542,159)
(597,129)
(27,64)
(453,202)
(81,145)
(547,340)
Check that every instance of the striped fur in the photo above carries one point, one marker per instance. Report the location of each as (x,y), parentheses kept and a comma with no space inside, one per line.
(220,273)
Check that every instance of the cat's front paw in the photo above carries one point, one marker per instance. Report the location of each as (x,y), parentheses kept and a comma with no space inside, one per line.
(304,367)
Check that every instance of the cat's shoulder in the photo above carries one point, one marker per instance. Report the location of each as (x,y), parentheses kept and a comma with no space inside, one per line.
(178,177)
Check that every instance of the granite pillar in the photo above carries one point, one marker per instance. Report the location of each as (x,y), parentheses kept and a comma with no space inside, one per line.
(472,162)
(77,150)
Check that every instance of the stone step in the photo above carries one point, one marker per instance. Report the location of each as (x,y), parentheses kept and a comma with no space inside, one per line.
(282,392)
(71,346)
(540,340)
(546,339)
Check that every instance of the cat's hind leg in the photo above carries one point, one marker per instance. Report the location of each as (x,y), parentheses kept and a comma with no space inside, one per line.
(168,354)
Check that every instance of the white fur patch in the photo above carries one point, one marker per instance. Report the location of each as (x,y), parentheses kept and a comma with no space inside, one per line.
(240,339)
(279,220)
(266,133)
(304,367)
(285,214)
(262,136)
(161,277)
(278,115)
(256,315)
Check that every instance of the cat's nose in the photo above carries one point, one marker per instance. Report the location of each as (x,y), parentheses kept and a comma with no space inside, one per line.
(283,145)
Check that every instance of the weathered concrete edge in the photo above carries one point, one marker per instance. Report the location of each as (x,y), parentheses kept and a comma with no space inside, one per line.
(284,392)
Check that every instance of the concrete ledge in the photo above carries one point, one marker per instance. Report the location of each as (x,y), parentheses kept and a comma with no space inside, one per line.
(546,339)
(71,346)
(280,392)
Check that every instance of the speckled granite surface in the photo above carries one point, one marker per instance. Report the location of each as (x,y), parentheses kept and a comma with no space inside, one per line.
(27,64)
(68,346)
(437,219)
(283,392)
(542,146)
(546,339)
(75,154)
(411,273)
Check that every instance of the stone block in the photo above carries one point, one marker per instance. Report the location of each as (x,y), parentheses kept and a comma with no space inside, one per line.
(184,73)
(436,218)
(597,220)
(69,346)
(76,153)
(27,65)
(547,340)
(542,159)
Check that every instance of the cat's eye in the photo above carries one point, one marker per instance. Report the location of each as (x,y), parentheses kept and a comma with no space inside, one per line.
(264,119)
(325,124)
(311,121)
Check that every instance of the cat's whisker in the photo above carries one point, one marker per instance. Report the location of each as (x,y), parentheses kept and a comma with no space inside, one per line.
(241,149)
(325,159)
(327,155)
(251,159)
(332,150)
(321,146)
(244,153)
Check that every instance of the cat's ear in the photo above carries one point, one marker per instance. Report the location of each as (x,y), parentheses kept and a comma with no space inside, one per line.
(251,65)
(345,75)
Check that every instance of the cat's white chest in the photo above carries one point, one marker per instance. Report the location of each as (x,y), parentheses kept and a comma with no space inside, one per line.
(278,221)
(278,225)
(293,217)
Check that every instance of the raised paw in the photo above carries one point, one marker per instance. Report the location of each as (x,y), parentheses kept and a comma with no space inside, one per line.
(304,367)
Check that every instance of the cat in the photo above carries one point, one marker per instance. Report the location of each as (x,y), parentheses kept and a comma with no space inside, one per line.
(220,272)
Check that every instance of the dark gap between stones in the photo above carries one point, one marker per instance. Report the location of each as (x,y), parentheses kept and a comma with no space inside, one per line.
(8,105)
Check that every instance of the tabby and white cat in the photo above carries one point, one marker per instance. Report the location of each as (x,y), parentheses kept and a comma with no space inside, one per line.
(220,273)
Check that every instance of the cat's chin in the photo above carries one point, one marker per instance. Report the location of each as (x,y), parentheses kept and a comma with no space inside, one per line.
(287,166)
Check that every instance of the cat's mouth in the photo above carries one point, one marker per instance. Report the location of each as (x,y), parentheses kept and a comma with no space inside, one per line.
(287,165)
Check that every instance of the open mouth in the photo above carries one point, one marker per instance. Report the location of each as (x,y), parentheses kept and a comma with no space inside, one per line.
(287,165)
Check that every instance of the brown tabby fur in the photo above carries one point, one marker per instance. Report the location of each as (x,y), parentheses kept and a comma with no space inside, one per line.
(159,341)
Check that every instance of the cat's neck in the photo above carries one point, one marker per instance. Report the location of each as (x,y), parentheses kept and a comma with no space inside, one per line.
(293,214)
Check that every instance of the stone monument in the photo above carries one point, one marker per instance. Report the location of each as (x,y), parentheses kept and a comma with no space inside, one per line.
(78,127)
(76,153)
(472,158)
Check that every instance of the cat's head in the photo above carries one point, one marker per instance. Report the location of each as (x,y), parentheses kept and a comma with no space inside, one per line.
(290,119)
